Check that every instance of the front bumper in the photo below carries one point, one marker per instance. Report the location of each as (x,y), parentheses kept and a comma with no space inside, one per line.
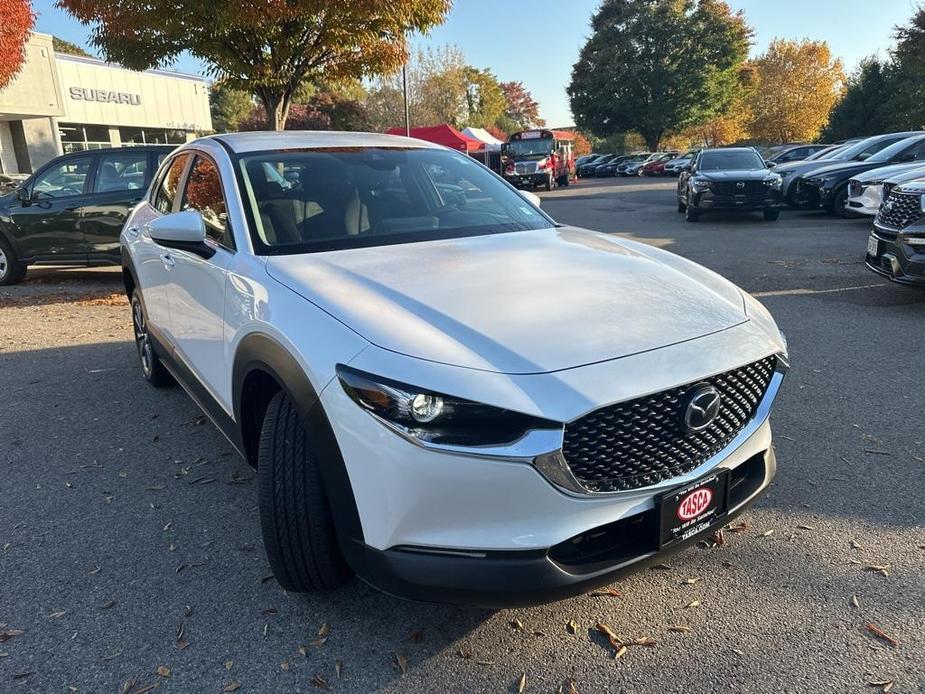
(589,560)
(708,200)
(532,180)
(896,260)
(867,201)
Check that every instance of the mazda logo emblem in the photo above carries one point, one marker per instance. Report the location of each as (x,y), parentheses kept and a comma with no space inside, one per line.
(888,206)
(740,184)
(701,407)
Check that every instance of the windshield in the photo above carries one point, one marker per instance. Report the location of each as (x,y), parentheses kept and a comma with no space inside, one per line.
(522,149)
(355,197)
(869,146)
(889,153)
(732,159)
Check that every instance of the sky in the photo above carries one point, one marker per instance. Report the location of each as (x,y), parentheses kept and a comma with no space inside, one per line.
(537,41)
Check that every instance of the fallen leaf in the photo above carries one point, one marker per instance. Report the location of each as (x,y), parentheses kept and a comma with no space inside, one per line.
(7,634)
(319,682)
(738,528)
(767,533)
(94,571)
(693,603)
(285,665)
(517,624)
(522,683)
(885,685)
(163,671)
(643,641)
(303,650)
(231,687)
(882,569)
(680,629)
(855,544)
(854,602)
(572,626)
(620,652)
(690,581)
(229,664)
(608,632)
(338,667)
(879,633)
(402,663)
(805,527)
(608,593)
(465,655)
(58,615)
(20,676)
(323,630)
(572,688)
(106,605)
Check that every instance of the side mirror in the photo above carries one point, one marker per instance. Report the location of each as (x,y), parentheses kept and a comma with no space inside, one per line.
(22,194)
(185,231)
(530,197)
(770,164)
(687,167)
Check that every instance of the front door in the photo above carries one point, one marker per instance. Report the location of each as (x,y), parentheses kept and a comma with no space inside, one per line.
(46,226)
(118,184)
(197,285)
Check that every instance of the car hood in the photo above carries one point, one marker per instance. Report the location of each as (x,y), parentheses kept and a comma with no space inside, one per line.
(844,169)
(802,167)
(517,303)
(736,175)
(884,172)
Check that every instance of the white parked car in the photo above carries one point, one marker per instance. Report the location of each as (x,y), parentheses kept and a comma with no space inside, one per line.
(865,191)
(444,391)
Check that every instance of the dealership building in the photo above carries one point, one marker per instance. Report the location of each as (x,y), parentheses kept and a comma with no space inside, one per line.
(63,103)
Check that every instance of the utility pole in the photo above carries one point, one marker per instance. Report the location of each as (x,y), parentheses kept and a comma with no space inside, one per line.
(404,88)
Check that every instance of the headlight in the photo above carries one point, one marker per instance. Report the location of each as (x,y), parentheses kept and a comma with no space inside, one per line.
(817,181)
(773,182)
(701,184)
(433,417)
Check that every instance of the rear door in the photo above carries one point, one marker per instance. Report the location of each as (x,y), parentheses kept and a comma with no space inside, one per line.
(119,183)
(47,226)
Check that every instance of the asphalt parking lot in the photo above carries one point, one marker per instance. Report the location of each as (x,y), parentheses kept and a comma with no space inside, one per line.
(130,550)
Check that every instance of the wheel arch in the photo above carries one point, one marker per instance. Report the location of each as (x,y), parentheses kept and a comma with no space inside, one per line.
(262,367)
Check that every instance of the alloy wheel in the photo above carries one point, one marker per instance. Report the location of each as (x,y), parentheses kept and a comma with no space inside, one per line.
(142,339)
(4,264)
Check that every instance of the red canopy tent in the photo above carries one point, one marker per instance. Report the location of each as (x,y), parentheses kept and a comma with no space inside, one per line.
(445,135)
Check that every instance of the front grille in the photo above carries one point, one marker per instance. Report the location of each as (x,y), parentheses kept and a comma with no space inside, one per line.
(528,168)
(855,188)
(900,210)
(749,188)
(887,189)
(642,442)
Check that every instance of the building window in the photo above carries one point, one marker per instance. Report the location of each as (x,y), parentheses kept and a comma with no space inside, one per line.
(76,137)
(151,136)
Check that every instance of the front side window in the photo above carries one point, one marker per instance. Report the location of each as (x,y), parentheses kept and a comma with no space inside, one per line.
(169,184)
(63,180)
(302,201)
(121,171)
(203,193)
(717,161)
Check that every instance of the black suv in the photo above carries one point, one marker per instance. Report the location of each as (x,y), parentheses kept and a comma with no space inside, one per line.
(71,211)
(896,247)
(733,178)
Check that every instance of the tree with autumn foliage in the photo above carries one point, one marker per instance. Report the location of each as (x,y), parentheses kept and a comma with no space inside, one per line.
(268,48)
(797,83)
(521,111)
(16,20)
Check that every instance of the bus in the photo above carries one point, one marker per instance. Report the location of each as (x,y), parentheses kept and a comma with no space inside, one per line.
(533,158)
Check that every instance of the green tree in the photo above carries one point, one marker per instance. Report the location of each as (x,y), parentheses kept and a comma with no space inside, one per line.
(656,66)
(484,100)
(59,45)
(229,107)
(865,108)
(906,100)
(268,49)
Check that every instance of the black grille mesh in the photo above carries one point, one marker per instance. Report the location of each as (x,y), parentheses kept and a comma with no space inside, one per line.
(752,189)
(900,210)
(642,442)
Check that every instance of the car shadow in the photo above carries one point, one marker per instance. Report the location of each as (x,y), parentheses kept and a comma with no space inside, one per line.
(45,285)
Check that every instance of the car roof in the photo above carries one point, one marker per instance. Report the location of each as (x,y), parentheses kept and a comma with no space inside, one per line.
(728,149)
(138,148)
(311,139)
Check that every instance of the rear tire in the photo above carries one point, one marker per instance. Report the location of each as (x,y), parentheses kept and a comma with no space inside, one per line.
(771,215)
(152,368)
(12,271)
(295,516)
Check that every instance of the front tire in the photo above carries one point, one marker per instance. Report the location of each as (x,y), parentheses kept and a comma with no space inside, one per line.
(840,203)
(549,182)
(12,271)
(152,368)
(295,516)
(690,214)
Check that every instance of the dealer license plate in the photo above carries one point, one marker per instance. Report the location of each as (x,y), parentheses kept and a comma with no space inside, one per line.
(690,509)
(873,247)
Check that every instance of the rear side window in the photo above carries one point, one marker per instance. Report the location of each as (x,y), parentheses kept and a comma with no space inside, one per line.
(169,184)
(203,193)
(121,171)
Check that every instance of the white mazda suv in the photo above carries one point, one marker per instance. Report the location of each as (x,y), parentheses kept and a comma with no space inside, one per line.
(443,391)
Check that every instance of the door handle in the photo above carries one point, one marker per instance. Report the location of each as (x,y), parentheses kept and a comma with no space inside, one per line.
(168,261)
(133,231)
